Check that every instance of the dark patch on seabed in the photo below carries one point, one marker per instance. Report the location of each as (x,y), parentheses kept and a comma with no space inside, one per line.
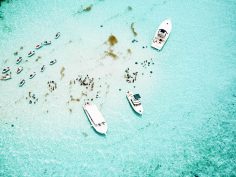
(7,1)
(216,147)
(1,15)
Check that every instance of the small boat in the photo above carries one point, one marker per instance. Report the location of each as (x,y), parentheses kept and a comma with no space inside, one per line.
(31,53)
(95,117)
(19,69)
(6,77)
(38,46)
(162,34)
(5,70)
(57,35)
(46,42)
(22,82)
(42,68)
(32,75)
(134,100)
(18,60)
(52,62)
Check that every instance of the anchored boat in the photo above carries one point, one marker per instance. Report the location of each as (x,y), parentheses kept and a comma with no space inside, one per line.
(22,82)
(57,35)
(95,117)
(6,77)
(52,62)
(134,100)
(47,42)
(18,60)
(32,75)
(5,70)
(162,34)
(42,68)
(38,46)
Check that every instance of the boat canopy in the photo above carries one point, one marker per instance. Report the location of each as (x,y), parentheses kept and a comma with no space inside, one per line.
(95,114)
(137,96)
(163,31)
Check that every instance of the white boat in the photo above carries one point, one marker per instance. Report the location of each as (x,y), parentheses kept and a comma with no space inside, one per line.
(6,77)
(47,42)
(32,75)
(31,53)
(18,60)
(52,62)
(134,100)
(19,69)
(96,118)
(162,34)
(57,35)
(22,82)
(38,46)
(5,70)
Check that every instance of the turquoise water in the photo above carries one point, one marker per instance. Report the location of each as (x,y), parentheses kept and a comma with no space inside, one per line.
(188,126)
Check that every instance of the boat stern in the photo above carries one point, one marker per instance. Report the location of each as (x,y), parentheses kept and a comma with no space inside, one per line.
(102,129)
(139,110)
(156,46)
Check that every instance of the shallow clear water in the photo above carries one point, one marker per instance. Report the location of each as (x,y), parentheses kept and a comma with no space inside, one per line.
(188,126)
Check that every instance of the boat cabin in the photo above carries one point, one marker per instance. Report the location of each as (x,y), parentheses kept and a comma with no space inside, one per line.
(135,100)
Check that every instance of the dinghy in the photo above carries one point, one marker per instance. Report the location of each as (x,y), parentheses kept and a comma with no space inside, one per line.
(22,82)
(18,60)
(46,42)
(95,117)
(38,46)
(52,62)
(6,77)
(42,68)
(5,70)
(32,75)
(19,69)
(31,53)
(57,35)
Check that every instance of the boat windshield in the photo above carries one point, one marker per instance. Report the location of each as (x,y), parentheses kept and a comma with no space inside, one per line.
(162,33)
(137,96)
